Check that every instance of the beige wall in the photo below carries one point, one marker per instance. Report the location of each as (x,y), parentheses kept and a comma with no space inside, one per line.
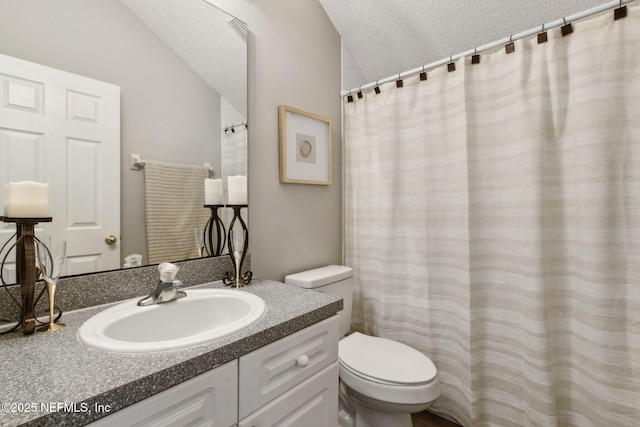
(294,59)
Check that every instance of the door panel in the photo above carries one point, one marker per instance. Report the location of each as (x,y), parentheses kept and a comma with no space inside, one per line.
(64,129)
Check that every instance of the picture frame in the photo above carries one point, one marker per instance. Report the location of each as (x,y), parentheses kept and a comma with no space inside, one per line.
(305,147)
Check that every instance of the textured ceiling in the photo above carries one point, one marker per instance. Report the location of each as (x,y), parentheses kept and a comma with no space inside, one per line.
(202,37)
(386,37)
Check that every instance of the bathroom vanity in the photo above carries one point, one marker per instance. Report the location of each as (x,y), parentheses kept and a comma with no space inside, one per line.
(284,365)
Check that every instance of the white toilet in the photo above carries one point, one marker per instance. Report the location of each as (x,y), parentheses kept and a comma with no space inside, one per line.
(381,381)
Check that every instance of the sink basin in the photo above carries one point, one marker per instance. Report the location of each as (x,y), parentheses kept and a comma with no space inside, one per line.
(202,316)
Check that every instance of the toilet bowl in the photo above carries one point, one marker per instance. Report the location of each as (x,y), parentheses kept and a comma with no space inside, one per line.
(385,381)
(381,381)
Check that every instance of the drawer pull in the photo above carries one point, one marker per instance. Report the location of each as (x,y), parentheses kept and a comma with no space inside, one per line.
(302,360)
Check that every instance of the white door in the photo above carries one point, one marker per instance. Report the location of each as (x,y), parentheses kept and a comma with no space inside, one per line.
(64,129)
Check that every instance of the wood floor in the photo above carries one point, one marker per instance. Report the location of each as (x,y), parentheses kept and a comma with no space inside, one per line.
(427,419)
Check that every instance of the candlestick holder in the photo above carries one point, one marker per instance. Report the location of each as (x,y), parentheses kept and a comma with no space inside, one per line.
(214,223)
(26,270)
(237,279)
(51,260)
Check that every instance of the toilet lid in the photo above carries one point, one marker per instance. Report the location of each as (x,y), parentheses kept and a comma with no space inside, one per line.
(385,360)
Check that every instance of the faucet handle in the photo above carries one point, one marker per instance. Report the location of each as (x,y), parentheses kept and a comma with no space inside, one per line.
(168,271)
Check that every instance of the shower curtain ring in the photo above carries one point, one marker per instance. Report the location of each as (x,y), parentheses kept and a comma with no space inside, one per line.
(510,47)
(620,12)
(349,96)
(567,28)
(377,88)
(399,81)
(359,92)
(475,59)
(542,36)
(423,75)
(451,66)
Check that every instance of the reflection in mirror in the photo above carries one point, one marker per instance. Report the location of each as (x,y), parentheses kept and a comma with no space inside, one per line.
(169,78)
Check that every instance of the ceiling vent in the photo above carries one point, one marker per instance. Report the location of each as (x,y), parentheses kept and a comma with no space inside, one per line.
(239,27)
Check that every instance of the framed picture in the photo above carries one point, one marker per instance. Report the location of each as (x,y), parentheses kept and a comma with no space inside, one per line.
(305,147)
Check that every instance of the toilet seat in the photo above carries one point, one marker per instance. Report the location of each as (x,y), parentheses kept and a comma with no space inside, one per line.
(387,370)
(385,361)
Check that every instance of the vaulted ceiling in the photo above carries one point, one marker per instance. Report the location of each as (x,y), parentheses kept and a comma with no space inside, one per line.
(203,36)
(386,37)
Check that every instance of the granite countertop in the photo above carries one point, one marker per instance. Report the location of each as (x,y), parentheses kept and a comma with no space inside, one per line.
(51,379)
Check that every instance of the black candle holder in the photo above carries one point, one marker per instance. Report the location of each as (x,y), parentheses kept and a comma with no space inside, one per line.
(26,271)
(237,278)
(215,222)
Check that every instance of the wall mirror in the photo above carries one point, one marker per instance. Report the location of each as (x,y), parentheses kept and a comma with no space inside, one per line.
(179,68)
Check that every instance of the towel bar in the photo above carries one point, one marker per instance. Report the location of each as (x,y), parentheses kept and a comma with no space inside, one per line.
(136,163)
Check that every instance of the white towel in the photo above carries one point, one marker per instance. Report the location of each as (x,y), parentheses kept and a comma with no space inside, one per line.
(174,199)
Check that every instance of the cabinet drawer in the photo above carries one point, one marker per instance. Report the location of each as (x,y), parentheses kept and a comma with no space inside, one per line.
(278,367)
(207,400)
(313,403)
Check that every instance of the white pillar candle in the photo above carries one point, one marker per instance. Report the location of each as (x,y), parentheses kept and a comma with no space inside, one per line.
(27,199)
(213,192)
(237,190)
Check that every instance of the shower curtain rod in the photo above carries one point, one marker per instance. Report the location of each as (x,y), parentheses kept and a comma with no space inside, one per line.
(558,23)
(235,125)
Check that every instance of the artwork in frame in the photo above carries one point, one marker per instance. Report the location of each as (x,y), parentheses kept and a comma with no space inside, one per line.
(305,147)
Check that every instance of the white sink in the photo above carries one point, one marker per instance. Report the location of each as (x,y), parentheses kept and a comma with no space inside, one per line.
(203,315)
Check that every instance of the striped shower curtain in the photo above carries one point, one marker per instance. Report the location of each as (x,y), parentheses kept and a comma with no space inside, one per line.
(492,217)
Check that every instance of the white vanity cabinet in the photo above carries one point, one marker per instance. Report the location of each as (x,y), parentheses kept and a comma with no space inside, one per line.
(210,399)
(293,381)
(313,403)
(290,382)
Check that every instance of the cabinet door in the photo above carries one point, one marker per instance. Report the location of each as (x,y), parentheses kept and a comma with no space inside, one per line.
(210,399)
(313,403)
(276,368)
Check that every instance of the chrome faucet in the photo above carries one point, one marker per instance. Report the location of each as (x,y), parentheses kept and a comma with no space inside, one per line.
(167,288)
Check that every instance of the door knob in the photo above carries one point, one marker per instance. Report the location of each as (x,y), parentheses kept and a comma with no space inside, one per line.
(110,239)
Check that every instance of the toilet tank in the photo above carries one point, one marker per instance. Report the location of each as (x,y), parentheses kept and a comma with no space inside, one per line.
(334,280)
